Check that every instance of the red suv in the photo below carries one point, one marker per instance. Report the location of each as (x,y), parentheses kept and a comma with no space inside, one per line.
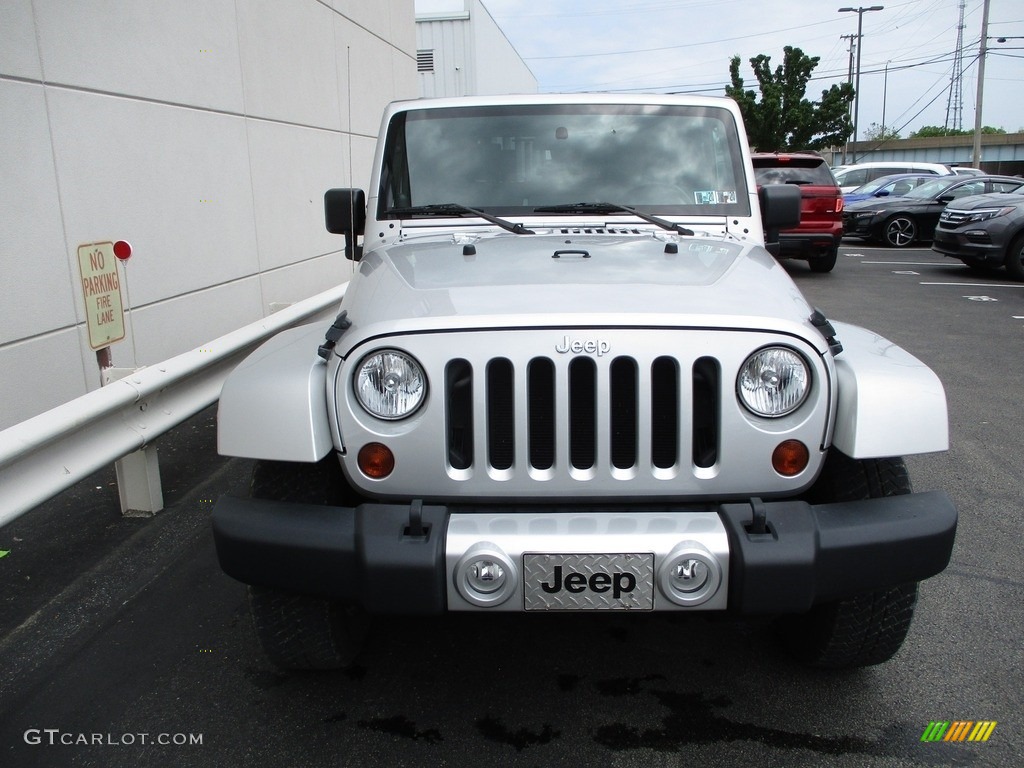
(816,239)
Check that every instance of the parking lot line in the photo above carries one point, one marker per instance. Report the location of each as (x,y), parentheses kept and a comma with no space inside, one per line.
(978,285)
(906,263)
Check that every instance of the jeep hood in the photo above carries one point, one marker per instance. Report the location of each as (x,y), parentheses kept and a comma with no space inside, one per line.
(572,281)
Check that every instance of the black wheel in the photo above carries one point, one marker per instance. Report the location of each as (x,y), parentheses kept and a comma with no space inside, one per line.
(824,262)
(865,629)
(900,231)
(304,631)
(1015,258)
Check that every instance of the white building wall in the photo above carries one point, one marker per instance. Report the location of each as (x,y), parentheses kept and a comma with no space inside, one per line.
(472,56)
(499,69)
(204,132)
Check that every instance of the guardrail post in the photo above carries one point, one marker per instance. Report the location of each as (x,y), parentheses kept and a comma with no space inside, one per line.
(138,483)
(138,473)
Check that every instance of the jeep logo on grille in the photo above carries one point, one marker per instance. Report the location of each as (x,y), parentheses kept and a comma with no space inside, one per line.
(583,346)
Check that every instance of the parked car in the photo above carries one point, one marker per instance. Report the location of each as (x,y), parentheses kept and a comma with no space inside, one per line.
(903,221)
(816,240)
(849,177)
(985,232)
(896,185)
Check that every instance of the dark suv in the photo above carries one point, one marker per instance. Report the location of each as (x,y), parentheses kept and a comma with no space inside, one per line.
(984,232)
(816,239)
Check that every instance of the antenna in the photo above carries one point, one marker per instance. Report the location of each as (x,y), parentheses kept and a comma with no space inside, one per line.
(955,102)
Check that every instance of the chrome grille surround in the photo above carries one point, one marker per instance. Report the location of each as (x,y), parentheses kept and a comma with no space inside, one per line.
(511,418)
(951,219)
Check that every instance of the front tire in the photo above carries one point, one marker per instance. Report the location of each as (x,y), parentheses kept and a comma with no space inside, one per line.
(304,632)
(1015,258)
(825,262)
(900,231)
(869,628)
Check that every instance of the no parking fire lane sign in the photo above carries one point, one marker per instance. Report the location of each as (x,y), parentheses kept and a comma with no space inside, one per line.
(101,287)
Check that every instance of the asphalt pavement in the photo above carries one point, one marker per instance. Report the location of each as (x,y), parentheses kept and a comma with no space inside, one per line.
(122,643)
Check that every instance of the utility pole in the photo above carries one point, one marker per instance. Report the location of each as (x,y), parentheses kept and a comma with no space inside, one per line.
(849,79)
(860,11)
(976,157)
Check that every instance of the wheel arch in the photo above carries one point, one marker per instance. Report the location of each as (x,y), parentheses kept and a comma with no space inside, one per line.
(889,402)
(273,405)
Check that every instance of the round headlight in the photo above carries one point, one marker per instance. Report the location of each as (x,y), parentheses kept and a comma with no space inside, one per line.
(390,384)
(773,382)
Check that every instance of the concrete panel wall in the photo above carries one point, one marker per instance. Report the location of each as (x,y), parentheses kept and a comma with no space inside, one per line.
(204,132)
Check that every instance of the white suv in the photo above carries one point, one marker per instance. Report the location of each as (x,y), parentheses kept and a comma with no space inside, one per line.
(852,176)
(568,376)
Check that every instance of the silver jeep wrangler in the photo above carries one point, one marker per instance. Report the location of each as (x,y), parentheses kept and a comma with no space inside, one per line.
(568,375)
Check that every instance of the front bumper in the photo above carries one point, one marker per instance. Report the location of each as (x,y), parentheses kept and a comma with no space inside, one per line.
(775,557)
(860,225)
(959,246)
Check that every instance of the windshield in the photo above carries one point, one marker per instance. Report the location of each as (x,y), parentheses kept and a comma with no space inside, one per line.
(931,188)
(512,159)
(872,186)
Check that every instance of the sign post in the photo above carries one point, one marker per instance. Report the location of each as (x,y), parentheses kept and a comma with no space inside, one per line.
(138,473)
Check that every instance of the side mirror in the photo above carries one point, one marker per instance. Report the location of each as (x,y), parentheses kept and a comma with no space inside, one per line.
(780,209)
(882,193)
(345,214)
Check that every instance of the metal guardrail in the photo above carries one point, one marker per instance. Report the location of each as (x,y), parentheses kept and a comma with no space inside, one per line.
(42,456)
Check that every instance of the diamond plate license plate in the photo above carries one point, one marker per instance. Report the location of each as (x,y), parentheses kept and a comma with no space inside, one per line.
(588,582)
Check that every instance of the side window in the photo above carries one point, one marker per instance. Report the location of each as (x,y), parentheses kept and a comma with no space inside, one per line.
(879,172)
(855,178)
(974,188)
(1004,186)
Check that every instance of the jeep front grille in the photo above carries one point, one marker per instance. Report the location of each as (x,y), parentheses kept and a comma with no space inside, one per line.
(641,408)
(597,413)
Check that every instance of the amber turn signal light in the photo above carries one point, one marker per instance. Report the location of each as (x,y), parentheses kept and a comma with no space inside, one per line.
(790,458)
(376,461)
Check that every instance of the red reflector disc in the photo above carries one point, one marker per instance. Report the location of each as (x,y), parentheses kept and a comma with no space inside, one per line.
(123,250)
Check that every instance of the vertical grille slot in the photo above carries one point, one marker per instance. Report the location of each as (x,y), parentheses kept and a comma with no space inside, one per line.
(458,380)
(664,413)
(500,413)
(705,412)
(625,418)
(623,379)
(540,408)
(582,413)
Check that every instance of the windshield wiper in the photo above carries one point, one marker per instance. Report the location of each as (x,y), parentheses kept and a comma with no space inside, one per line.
(457,209)
(671,226)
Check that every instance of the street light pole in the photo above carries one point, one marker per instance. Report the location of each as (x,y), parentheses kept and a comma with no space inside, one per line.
(860,11)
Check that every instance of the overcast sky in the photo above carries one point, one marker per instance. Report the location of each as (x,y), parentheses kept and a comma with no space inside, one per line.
(686,45)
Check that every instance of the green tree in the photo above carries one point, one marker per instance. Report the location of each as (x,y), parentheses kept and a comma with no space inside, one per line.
(876,132)
(783,119)
(928,131)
